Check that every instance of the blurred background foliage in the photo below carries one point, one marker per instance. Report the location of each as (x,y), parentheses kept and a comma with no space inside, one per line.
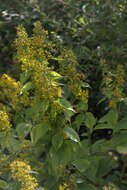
(95,30)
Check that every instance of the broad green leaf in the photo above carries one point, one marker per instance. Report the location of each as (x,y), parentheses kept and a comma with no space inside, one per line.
(91,172)
(78,120)
(119,139)
(3,184)
(81,164)
(106,164)
(60,157)
(102,145)
(64,154)
(111,118)
(40,105)
(122,149)
(122,124)
(50,182)
(13,144)
(68,114)
(39,131)
(90,120)
(30,112)
(3,142)
(23,129)
(66,104)
(28,86)
(71,133)
(57,141)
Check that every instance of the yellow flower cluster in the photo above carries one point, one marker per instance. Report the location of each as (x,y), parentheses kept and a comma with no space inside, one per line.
(20,170)
(34,52)
(10,89)
(25,100)
(114,84)
(118,87)
(5,125)
(68,68)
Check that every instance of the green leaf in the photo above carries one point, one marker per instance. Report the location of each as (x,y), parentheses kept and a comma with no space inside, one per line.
(106,164)
(3,184)
(30,112)
(71,133)
(3,142)
(57,141)
(90,173)
(81,20)
(25,76)
(68,114)
(122,149)
(40,105)
(101,145)
(23,129)
(28,86)
(66,104)
(90,120)
(103,126)
(82,106)
(122,124)
(79,180)
(86,85)
(111,118)
(86,187)
(60,157)
(79,120)
(64,154)
(81,164)
(38,132)
(101,100)
(55,75)
(13,144)
(119,139)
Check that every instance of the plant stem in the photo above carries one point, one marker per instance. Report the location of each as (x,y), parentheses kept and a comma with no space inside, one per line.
(89,142)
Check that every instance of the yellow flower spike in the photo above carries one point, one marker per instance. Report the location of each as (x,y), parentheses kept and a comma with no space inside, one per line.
(10,89)
(114,88)
(20,170)
(68,63)
(4,121)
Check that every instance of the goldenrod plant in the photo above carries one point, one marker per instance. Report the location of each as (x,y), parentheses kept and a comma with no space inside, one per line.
(41,114)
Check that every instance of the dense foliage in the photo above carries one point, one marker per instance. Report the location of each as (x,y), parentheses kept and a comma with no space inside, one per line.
(63,101)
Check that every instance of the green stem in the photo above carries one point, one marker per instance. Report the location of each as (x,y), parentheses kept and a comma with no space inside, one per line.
(89,142)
